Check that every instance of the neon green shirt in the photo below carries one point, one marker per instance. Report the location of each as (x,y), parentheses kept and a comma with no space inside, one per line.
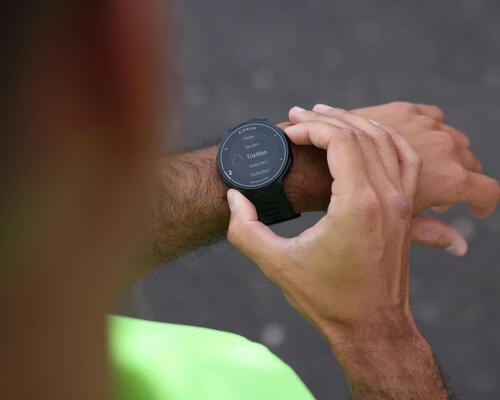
(159,361)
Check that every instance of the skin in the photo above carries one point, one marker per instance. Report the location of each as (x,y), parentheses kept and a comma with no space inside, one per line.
(359,247)
(451,174)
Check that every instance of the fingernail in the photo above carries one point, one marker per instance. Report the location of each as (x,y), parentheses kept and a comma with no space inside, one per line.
(458,248)
(322,107)
(297,109)
(230,199)
(373,122)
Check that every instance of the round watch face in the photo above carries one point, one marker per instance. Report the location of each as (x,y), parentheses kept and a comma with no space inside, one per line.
(253,155)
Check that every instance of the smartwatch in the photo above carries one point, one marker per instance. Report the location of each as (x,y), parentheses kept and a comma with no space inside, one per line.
(254,158)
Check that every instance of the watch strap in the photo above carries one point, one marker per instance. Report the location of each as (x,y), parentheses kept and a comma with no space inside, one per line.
(272,204)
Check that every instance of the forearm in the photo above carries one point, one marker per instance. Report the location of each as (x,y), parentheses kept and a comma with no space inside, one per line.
(390,361)
(190,208)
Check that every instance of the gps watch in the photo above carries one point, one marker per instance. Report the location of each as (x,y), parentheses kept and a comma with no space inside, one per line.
(254,157)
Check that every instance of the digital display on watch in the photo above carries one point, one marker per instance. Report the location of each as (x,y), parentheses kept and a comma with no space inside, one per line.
(253,155)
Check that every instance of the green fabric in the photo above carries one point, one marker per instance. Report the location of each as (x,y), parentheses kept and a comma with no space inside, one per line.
(158,361)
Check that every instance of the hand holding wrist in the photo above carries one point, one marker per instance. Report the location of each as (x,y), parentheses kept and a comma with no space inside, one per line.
(348,273)
(450,174)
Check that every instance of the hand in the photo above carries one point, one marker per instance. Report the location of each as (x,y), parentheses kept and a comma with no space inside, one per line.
(451,173)
(445,178)
(350,270)
(348,274)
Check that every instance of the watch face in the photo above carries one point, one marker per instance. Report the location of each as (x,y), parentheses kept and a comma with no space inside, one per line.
(253,155)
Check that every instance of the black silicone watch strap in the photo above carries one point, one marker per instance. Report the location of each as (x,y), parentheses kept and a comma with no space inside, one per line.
(272,205)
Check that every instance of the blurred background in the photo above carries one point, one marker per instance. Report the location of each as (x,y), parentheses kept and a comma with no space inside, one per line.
(241,59)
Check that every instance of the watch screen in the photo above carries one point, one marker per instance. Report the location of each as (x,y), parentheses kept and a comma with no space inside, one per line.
(253,155)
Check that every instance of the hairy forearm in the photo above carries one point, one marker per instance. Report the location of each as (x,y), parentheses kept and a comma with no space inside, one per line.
(190,208)
(389,362)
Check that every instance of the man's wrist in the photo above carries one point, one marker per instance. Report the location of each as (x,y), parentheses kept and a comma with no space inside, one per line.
(308,183)
(387,359)
(374,340)
(360,335)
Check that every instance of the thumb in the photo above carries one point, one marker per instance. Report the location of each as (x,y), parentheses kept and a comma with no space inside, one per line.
(432,232)
(248,234)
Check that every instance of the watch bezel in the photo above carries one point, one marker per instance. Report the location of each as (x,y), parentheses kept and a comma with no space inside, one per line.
(279,175)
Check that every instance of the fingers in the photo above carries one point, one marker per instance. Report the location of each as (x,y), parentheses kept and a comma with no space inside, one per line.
(431,232)
(459,137)
(344,155)
(317,133)
(410,163)
(385,149)
(376,170)
(389,161)
(469,161)
(466,157)
(297,114)
(322,108)
(283,125)
(247,233)
(380,152)
(482,202)
(382,139)
(481,193)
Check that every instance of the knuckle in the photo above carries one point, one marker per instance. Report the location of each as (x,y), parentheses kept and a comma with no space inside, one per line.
(322,125)
(445,141)
(459,137)
(466,141)
(400,205)
(438,113)
(415,160)
(367,202)
(459,176)
(327,126)
(405,106)
(427,122)
(324,128)
(347,134)
(362,136)
(383,135)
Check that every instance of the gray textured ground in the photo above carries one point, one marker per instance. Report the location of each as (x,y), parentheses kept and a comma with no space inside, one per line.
(248,58)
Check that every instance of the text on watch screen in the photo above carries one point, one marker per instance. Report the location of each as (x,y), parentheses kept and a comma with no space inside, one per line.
(253,155)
